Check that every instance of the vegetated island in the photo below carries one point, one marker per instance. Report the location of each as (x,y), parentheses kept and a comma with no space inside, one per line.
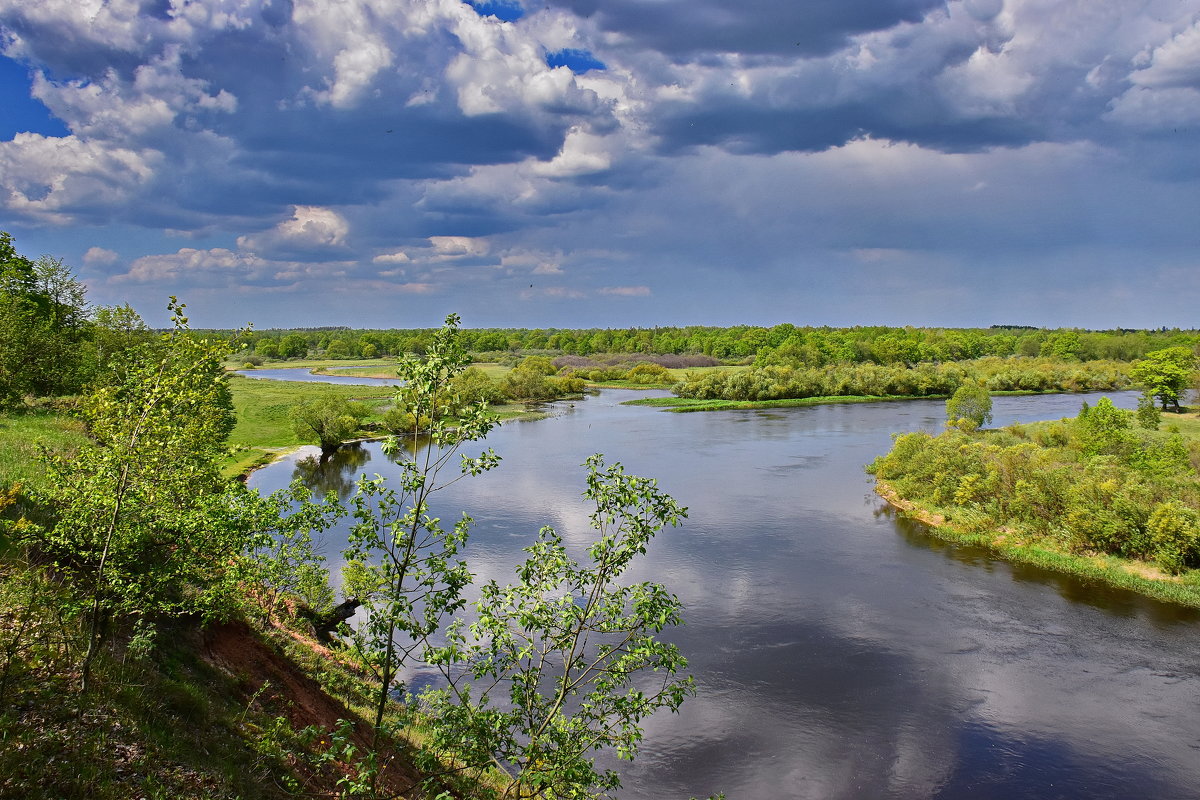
(1110,495)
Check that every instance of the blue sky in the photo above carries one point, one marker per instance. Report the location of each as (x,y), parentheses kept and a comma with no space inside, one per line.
(583,163)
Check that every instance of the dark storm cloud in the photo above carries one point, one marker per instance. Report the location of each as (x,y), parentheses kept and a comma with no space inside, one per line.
(686,29)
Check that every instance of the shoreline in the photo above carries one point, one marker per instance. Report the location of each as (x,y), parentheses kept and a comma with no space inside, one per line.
(1121,573)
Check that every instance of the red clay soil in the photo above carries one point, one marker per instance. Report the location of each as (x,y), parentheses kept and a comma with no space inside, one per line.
(236,649)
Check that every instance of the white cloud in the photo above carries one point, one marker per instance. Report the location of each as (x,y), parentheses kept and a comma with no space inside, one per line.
(123,110)
(190,265)
(59,180)
(311,228)
(1174,64)
(99,257)
(398,257)
(581,154)
(451,247)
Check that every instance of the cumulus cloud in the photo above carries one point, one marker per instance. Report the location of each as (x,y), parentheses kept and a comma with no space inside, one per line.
(99,257)
(429,144)
(193,266)
(310,230)
(59,179)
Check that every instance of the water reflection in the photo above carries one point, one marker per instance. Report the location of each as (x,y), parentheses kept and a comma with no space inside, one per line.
(841,651)
(334,472)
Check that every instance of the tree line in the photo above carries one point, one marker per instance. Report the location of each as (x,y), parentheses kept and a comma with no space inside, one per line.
(783,345)
(52,341)
(920,380)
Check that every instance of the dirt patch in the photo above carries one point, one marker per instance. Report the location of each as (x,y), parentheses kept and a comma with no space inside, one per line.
(910,508)
(268,679)
(1148,571)
(236,649)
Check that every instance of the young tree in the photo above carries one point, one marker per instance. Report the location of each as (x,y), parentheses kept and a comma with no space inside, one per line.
(329,419)
(573,647)
(143,529)
(407,566)
(970,406)
(1165,374)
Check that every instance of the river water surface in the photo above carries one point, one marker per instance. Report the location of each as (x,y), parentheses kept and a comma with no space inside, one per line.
(839,651)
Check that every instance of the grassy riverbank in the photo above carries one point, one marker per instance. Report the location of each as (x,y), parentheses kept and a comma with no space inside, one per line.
(686,404)
(264,428)
(1132,574)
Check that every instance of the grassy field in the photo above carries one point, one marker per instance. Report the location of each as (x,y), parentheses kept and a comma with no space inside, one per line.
(21,434)
(388,369)
(324,363)
(262,406)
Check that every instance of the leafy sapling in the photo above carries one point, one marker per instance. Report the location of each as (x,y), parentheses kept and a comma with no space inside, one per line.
(566,661)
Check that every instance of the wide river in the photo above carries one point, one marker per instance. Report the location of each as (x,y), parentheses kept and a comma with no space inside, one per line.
(839,651)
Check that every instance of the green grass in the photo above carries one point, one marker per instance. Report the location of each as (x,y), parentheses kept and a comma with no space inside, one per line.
(20,435)
(264,429)
(263,426)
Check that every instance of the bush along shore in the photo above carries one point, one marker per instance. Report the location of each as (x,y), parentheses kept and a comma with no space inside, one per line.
(1098,496)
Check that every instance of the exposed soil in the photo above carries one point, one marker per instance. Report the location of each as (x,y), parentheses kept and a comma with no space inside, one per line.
(269,680)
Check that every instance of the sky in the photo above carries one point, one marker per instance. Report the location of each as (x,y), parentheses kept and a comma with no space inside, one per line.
(578,163)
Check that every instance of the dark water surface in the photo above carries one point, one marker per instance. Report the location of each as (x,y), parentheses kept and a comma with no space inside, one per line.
(839,651)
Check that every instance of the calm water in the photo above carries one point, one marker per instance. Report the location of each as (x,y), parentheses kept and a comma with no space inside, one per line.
(302,374)
(839,651)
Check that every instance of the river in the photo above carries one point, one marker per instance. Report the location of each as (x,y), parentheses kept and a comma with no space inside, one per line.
(838,650)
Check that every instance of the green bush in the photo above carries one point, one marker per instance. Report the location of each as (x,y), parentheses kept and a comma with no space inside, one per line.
(1175,533)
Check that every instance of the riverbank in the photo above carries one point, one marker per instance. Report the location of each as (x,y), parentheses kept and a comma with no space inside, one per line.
(1135,575)
(263,431)
(683,405)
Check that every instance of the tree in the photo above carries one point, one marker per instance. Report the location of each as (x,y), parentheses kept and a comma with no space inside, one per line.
(329,419)
(970,406)
(573,645)
(406,565)
(143,525)
(1105,430)
(293,346)
(1165,374)
(42,326)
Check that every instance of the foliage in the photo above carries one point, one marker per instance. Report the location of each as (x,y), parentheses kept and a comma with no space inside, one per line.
(970,406)
(329,419)
(1165,374)
(1095,485)
(1104,430)
(473,385)
(649,373)
(532,380)
(143,526)
(410,564)
(1174,532)
(575,648)
(43,327)
(280,559)
(921,380)
(1148,415)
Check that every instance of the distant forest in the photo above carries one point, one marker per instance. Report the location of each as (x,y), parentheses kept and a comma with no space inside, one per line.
(780,345)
